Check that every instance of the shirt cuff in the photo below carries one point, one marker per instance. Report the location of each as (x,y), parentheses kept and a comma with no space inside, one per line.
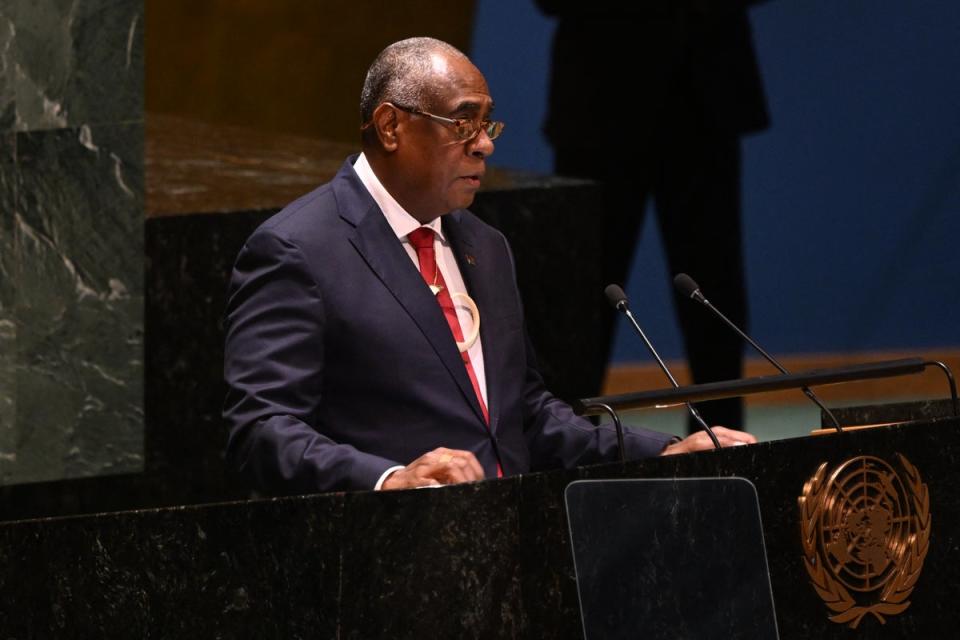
(383,477)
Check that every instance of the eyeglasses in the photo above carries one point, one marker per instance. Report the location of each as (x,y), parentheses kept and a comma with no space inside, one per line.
(464,129)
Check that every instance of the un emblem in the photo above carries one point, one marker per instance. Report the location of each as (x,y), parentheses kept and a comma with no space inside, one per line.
(865,531)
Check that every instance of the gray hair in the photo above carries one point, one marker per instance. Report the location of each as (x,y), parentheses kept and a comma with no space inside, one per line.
(400,74)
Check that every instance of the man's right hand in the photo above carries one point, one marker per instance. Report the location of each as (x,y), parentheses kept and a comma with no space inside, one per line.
(440,466)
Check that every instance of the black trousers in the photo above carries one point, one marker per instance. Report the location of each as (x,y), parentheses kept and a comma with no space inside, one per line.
(692,173)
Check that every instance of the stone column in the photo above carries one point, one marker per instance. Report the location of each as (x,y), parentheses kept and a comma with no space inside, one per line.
(71,239)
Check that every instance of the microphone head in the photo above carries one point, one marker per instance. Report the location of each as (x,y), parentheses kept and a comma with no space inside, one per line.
(615,296)
(686,285)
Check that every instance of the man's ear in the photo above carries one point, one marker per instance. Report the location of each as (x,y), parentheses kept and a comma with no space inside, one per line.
(385,123)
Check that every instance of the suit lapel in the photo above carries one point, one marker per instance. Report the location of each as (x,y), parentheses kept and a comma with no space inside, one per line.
(479,278)
(378,245)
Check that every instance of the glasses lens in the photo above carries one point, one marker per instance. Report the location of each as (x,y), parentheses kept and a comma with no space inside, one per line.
(493,129)
(470,129)
(465,129)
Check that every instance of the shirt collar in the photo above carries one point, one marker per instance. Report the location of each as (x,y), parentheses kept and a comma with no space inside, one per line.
(397,217)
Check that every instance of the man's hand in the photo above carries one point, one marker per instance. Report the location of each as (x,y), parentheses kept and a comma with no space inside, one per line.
(440,466)
(701,441)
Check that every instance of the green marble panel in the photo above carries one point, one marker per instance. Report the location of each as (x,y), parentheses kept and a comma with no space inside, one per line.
(79,304)
(76,62)
(8,332)
(7,107)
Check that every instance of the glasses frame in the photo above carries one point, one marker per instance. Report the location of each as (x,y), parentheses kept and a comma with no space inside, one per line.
(461,126)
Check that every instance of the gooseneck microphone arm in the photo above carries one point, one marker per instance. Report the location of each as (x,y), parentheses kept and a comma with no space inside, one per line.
(689,288)
(618,300)
(617,424)
(950,381)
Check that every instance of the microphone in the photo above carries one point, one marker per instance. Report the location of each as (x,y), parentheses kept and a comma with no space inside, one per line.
(686,286)
(618,300)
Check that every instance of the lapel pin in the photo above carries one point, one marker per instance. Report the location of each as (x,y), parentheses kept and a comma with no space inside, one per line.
(471,260)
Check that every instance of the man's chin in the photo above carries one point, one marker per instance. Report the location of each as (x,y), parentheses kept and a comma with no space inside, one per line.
(457,204)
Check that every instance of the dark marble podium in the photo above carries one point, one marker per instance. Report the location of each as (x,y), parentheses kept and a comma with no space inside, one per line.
(487,560)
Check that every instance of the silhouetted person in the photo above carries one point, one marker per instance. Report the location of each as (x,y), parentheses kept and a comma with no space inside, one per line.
(692,66)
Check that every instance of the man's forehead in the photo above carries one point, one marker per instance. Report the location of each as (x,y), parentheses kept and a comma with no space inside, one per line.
(459,85)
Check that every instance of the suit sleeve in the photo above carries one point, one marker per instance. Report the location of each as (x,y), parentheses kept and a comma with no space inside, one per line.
(557,437)
(273,367)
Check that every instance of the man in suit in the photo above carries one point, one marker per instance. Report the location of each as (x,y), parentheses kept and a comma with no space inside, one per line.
(353,358)
(693,67)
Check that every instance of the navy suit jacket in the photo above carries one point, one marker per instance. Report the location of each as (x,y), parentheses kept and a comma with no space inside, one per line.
(340,363)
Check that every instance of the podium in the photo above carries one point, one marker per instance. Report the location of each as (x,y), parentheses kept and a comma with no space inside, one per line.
(486,560)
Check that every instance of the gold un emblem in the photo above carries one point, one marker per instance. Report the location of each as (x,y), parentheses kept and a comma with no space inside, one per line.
(865,530)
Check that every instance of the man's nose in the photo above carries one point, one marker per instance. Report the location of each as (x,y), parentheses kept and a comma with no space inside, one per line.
(481,146)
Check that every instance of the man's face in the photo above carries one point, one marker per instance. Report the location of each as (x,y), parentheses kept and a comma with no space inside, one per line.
(441,173)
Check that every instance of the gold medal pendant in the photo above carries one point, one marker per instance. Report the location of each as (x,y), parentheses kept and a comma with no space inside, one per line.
(471,306)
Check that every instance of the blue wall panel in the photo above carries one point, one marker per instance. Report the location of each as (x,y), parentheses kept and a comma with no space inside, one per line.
(851,199)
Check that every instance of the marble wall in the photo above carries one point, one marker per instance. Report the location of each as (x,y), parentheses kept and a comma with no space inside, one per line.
(71,239)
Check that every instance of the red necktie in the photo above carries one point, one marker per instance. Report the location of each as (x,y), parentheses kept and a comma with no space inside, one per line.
(422,241)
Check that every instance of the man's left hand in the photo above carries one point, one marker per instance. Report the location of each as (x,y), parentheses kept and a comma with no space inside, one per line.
(700,441)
